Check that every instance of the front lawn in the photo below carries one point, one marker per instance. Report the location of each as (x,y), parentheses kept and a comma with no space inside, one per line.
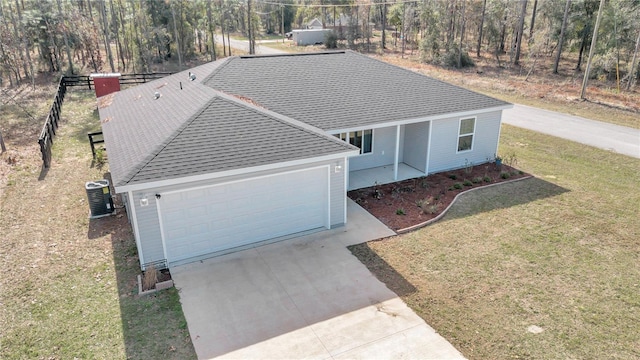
(559,252)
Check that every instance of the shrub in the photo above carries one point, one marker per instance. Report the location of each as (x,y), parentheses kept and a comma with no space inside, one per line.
(432,209)
(452,176)
(331,40)
(505,175)
(457,186)
(450,58)
(467,183)
(400,211)
(486,178)
(476,180)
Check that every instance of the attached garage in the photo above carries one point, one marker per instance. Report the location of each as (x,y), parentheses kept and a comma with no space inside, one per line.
(209,219)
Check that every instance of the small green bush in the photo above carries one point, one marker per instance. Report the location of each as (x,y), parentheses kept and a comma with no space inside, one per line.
(476,180)
(452,176)
(457,186)
(505,175)
(400,211)
(486,178)
(467,183)
(331,40)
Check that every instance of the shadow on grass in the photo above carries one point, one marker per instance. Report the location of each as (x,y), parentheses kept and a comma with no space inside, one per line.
(153,325)
(382,270)
(502,196)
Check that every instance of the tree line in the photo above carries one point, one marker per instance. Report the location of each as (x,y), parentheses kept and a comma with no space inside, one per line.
(66,36)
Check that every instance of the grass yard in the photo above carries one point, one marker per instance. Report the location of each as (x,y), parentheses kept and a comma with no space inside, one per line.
(69,284)
(560,252)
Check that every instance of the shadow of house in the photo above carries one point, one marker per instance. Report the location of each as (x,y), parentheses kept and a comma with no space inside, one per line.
(503,196)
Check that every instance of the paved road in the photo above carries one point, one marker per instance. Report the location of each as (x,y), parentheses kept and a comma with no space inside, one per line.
(244,46)
(620,139)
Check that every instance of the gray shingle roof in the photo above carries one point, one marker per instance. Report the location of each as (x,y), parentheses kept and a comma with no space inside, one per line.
(342,90)
(195,128)
(192,129)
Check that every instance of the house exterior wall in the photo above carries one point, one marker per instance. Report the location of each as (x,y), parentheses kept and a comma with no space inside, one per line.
(383,150)
(150,240)
(444,142)
(416,142)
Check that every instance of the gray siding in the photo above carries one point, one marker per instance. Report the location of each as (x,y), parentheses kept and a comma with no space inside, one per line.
(444,142)
(416,141)
(383,152)
(149,223)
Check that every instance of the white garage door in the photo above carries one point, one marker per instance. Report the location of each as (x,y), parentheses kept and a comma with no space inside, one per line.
(204,220)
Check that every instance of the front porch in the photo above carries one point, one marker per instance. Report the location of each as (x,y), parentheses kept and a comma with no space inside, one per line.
(359,179)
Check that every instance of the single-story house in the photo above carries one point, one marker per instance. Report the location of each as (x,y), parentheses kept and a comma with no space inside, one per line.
(243,151)
(315,23)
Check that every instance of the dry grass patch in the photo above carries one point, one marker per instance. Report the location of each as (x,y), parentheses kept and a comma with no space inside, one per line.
(559,252)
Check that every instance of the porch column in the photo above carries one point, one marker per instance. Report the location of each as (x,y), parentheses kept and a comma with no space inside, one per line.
(397,155)
(426,167)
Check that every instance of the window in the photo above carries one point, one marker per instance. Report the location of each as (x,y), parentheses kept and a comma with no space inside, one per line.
(465,134)
(363,139)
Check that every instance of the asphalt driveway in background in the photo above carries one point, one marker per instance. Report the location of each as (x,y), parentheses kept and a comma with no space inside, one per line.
(616,138)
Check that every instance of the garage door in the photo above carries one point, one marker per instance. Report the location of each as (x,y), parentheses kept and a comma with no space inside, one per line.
(204,220)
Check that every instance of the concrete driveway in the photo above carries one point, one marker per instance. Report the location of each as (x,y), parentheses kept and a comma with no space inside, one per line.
(302,298)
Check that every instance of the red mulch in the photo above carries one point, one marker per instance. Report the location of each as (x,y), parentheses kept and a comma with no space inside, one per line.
(397,204)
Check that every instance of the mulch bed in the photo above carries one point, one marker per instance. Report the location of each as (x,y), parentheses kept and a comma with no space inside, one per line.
(411,202)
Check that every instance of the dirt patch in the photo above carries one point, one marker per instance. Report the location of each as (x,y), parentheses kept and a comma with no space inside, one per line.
(410,202)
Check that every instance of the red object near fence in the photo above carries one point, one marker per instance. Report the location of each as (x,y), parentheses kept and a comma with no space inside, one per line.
(106,83)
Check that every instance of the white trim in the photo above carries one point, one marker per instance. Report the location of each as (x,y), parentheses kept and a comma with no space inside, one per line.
(426,167)
(462,114)
(347,139)
(241,171)
(164,244)
(160,220)
(499,134)
(472,134)
(346,188)
(328,203)
(397,155)
(134,224)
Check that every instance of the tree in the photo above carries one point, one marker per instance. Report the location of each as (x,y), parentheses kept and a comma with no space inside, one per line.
(561,40)
(591,51)
(519,31)
(484,9)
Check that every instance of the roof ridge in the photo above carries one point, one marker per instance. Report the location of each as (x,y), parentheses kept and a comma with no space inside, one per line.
(283,119)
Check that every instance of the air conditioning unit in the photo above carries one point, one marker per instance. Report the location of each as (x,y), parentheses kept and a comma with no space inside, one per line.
(99,196)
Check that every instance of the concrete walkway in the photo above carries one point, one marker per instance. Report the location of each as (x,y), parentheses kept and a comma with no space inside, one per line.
(620,139)
(303,298)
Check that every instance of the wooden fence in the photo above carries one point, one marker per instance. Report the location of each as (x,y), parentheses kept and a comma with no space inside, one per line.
(53,118)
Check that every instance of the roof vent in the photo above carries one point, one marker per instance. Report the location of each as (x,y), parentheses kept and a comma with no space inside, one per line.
(156,95)
(192,76)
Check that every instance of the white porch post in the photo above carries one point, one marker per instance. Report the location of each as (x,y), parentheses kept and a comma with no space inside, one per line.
(397,155)
(426,167)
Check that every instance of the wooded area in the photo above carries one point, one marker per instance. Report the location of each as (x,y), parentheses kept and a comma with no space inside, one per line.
(82,36)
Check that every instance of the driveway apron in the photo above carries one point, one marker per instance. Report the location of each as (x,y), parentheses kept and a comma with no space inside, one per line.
(302,298)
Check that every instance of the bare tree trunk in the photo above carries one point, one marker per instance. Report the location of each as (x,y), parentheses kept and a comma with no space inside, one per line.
(105,28)
(464,3)
(2,146)
(632,73)
(520,30)
(66,40)
(211,31)
(175,31)
(561,40)
(119,50)
(252,42)
(27,48)
(592,49)
(484,8)
(222,20)
(384,24)
(533,18)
